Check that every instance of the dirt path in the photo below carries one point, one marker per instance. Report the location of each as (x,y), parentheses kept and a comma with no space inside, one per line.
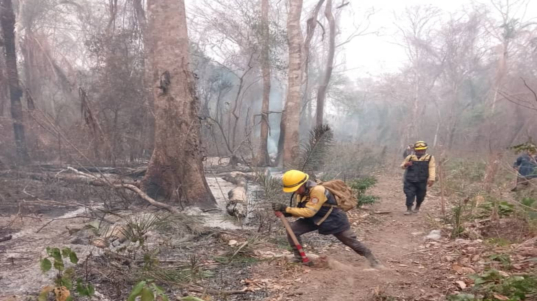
(393,237)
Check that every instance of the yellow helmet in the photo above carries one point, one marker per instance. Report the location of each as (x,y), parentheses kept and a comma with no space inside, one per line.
(293,179)
(420,145)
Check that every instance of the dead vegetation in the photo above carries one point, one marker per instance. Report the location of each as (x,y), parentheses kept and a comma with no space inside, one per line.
(103,85)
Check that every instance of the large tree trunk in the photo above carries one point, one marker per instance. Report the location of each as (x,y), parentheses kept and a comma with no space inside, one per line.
(291,114)
(263,156)
(7,20)
(175,170)
(321,94)
(29,65)
(3,85)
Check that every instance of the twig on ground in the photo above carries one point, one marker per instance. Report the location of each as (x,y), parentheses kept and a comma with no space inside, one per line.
(48,202)
(131,187)
(215,292)
(238,250)
(6,238)
(62,218)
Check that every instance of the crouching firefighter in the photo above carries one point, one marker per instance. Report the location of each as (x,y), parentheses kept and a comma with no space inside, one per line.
(420,172)
(319,210)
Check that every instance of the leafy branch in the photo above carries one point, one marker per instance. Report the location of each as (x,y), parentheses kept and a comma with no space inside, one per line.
(315,149)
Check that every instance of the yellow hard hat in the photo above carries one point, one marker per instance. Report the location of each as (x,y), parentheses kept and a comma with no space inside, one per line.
(293,179)
(420,145)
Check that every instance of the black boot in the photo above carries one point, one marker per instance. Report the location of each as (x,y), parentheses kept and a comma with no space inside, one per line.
(296,257)
(416,209)
(408,210)
(373,262)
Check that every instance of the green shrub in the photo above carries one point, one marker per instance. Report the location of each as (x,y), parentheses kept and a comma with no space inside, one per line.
(64,276)
(528,202)
(147,291)
(367,199)
(491,284)
(361,186)
(504,259)
(504,208)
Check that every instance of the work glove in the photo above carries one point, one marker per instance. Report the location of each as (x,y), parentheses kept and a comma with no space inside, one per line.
(279,207)
(430,183)
(409,163)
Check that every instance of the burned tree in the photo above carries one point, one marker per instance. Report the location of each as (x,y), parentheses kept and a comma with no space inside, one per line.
(175,170)
(7,21)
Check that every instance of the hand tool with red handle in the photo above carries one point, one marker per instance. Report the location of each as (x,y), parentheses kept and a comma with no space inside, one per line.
(305,259)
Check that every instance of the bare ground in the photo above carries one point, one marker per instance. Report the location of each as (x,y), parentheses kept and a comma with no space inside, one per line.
(393,237)
(415,268)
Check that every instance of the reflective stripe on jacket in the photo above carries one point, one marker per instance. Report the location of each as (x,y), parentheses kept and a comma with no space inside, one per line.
(314,206)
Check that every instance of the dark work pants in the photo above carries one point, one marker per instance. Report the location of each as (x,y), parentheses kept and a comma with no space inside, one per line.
(347,237)
(415,191)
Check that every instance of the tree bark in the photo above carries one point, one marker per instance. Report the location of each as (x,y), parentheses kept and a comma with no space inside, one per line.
(7,20)
(291,115)
(175,170)
(3,85)
(263,155)
(493,163)
(311,25)
(321,94)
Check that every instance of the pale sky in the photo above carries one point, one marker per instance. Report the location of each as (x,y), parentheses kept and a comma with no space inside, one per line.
(378,53)
(372,55)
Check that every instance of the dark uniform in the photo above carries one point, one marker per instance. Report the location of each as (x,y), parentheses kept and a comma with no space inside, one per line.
(527,169)
(422,170)
(319,211)
(408,151)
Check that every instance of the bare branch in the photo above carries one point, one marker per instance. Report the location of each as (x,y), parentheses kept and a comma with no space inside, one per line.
(529,88)
(131,187)
(516,101)
(360,30)
(342,5)
(223,133)
(322,27)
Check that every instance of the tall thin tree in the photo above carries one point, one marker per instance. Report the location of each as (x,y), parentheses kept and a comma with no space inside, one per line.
(7,22)
(263,156)
(3,83)
(323,87)
(291,114)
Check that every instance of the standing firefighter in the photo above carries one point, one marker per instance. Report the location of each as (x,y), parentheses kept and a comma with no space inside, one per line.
(318,209)
(526,165)
(420,172)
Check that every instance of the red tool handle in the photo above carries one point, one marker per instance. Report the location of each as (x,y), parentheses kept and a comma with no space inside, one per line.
(305,259)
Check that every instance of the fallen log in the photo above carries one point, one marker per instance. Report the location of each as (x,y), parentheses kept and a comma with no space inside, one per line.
(236,205)
(61,175)
(236,177)
(131,187)
(6,238)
